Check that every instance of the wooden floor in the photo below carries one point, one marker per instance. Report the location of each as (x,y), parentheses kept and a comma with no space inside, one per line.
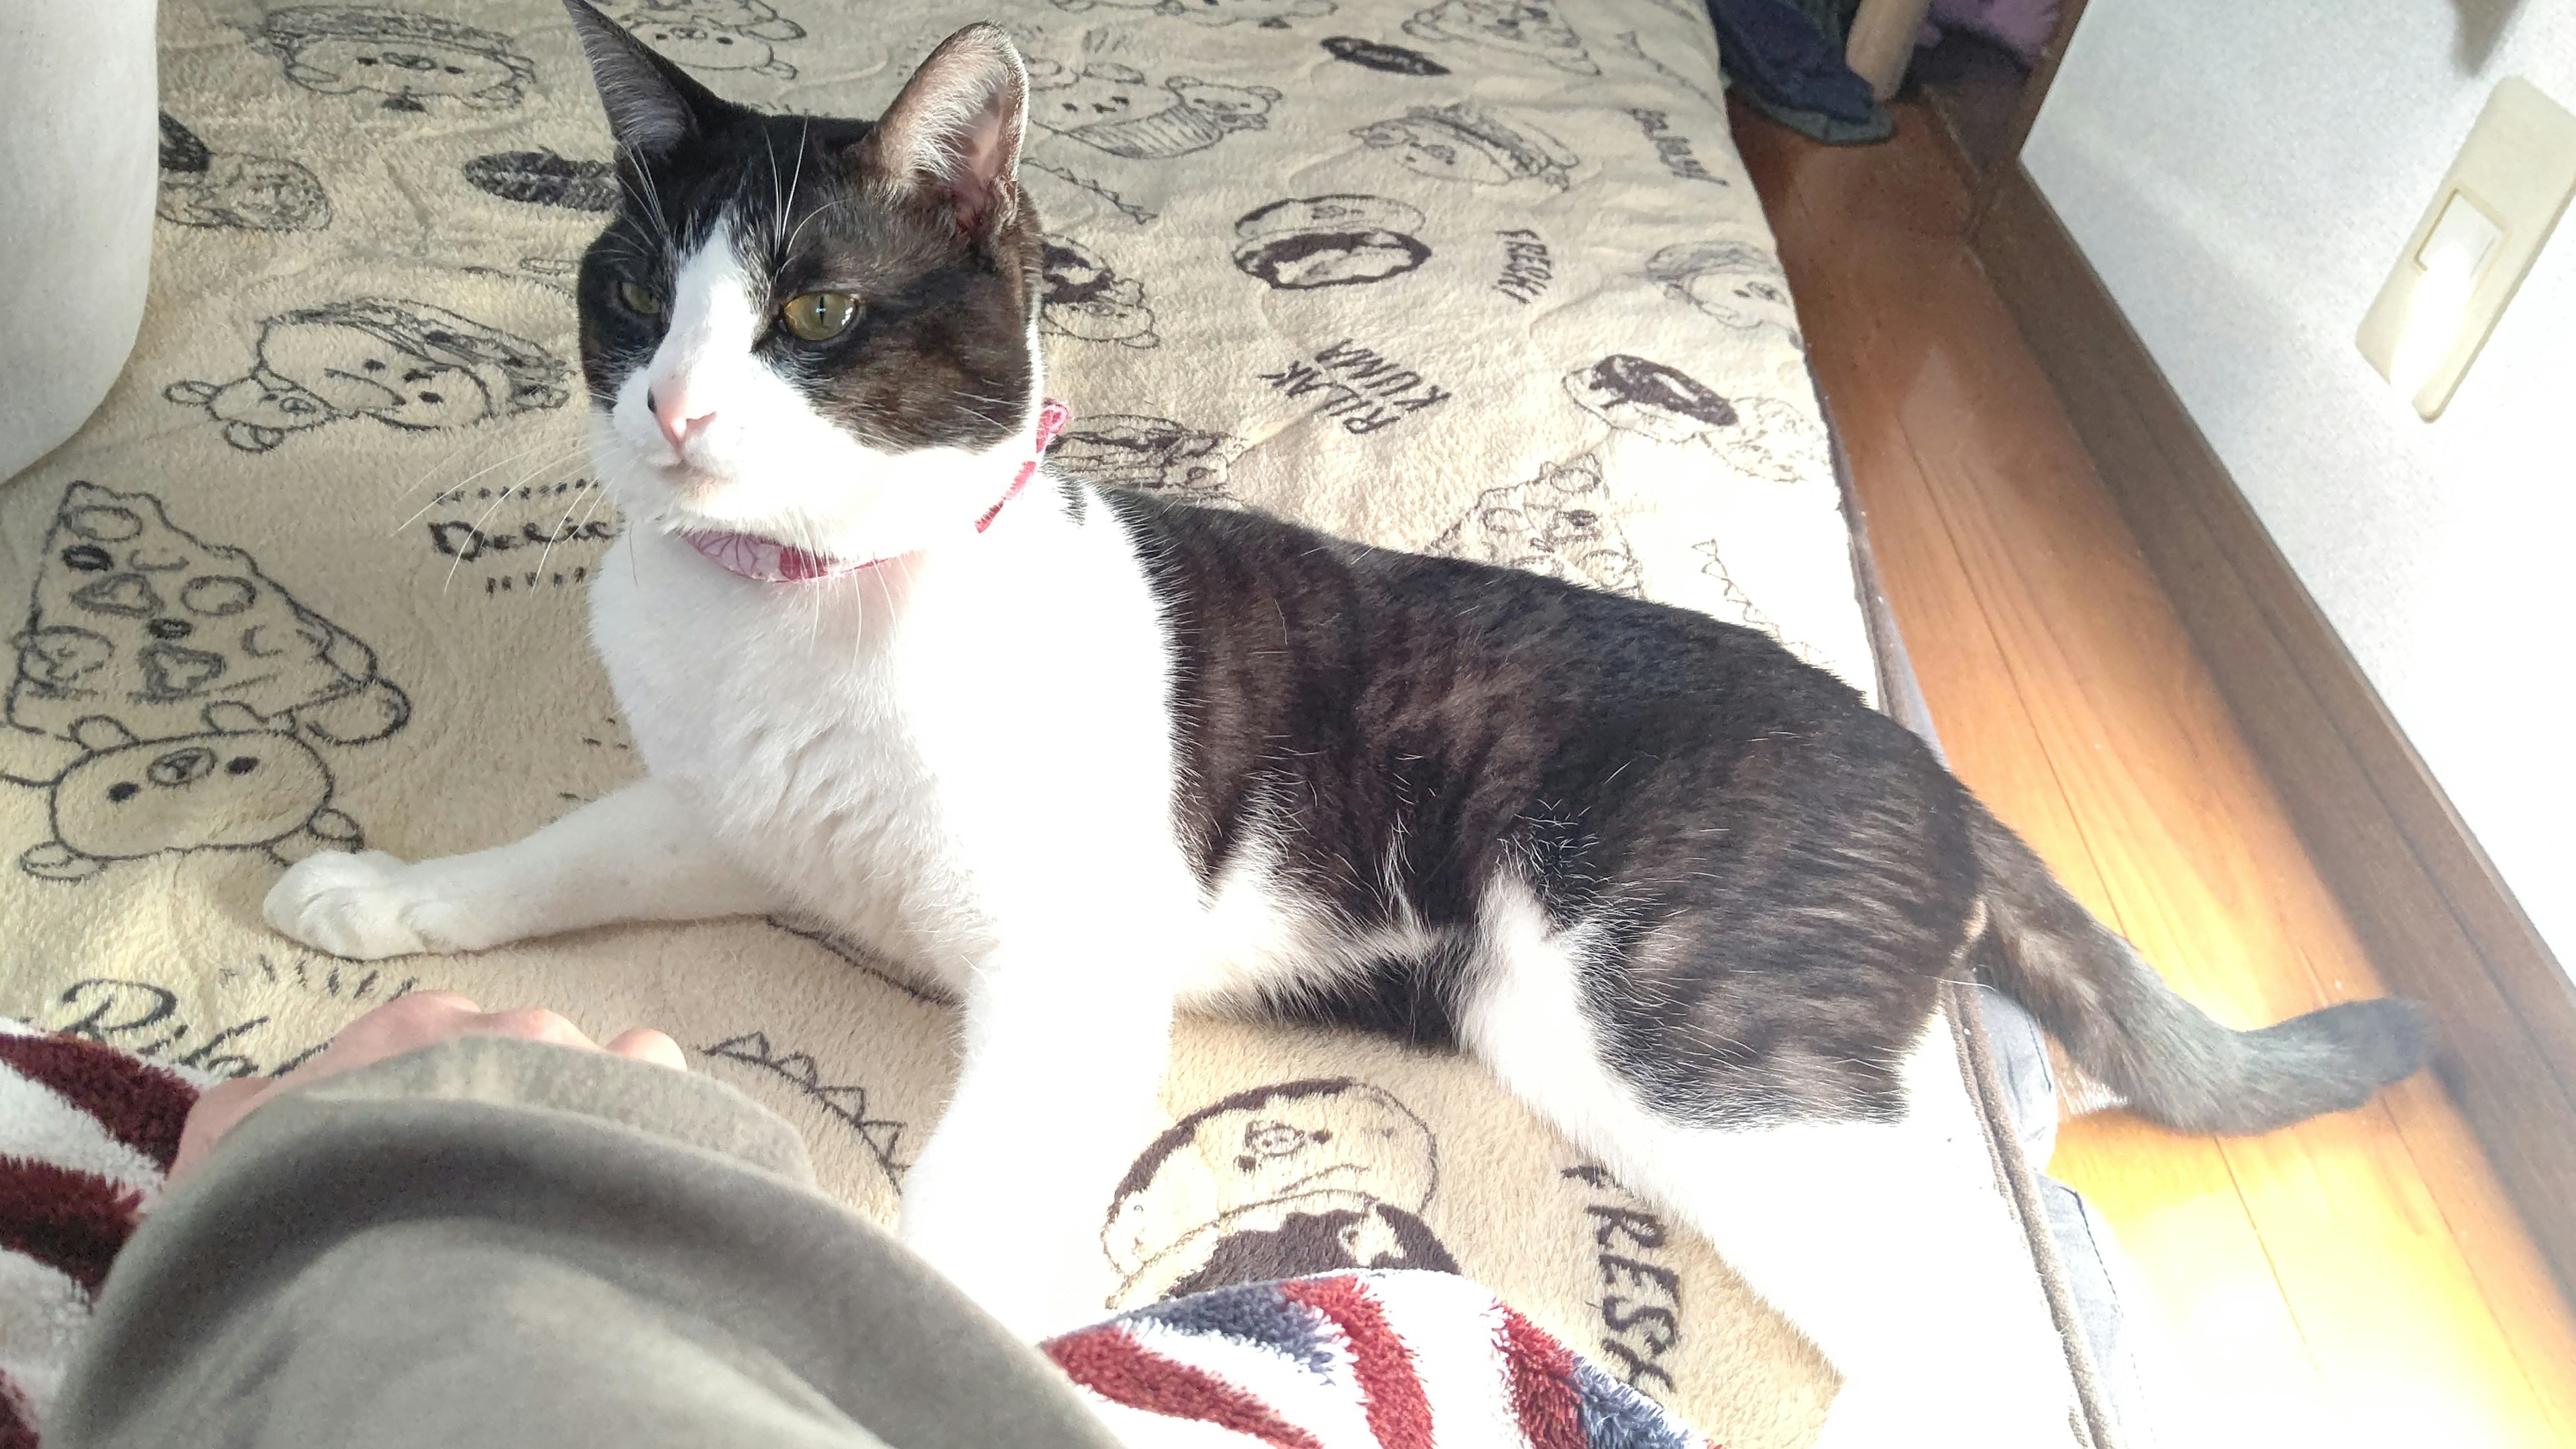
(2360,1280)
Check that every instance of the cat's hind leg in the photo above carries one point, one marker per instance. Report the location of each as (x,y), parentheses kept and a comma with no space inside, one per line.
(1882,1241)
(641,854)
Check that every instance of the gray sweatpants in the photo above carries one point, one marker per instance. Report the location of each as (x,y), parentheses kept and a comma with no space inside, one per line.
(495,1242)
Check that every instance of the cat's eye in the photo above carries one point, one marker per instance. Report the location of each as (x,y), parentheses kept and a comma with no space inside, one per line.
(819,316)
(639,299)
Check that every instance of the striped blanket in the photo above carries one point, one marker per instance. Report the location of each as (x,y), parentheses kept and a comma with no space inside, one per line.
(1387,1360)
(1380,1360)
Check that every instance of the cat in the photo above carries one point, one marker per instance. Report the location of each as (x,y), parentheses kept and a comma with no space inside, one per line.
(1083,757)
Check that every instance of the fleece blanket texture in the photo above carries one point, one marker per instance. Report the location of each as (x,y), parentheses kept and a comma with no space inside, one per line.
(1459,275)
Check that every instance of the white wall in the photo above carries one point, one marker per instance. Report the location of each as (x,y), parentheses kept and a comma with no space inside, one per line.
(2243,176)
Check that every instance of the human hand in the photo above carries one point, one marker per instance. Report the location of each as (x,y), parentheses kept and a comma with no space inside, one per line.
(422,1018)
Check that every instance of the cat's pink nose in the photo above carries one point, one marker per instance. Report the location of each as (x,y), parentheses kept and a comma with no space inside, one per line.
(670,408)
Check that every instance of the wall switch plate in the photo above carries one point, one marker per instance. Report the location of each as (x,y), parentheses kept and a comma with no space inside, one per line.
(2487,223)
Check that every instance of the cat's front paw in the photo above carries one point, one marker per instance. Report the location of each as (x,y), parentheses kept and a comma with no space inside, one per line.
(353,906)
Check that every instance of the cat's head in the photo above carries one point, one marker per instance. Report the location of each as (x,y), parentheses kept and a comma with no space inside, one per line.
(821,331)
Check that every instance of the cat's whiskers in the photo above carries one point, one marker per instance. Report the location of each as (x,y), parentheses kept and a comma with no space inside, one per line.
(561,453)
(463,445)
(501,496)
(804,141)
(440,493)
(777,202)
(649,193)
(830,206)
(562,525)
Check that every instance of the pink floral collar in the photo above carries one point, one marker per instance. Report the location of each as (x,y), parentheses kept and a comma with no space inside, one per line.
(772,562)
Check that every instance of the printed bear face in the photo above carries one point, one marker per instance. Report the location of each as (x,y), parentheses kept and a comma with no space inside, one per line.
(1736,283)
(1067,100)
(1126,450)
(257,193)
(1740,299)
(1230,106)
(701,46)
(406,364)
(1084,299)
(1518,26)
(1279,1181)
(1429,149)
(749,17)
(1472,144)
(353,370)
(1114,108)
(225,789)
(406,68)
(257,411)
(408,57)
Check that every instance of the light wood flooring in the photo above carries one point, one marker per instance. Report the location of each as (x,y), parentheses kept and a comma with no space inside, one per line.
(2360,1280)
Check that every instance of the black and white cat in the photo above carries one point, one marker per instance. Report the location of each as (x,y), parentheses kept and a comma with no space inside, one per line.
(1085,757)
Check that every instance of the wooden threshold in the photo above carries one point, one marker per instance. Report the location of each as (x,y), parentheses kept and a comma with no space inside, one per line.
(2436,919)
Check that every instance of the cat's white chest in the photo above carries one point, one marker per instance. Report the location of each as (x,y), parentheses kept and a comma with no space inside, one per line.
(929,774)
(782,710)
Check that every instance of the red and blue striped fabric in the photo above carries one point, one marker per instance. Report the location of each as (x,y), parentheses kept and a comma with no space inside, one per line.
(86,1132)
(1375,1360)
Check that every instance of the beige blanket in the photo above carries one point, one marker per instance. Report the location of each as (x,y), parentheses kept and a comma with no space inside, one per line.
(1444,274)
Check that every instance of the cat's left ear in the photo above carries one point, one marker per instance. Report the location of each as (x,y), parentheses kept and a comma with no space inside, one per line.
(652,104)
(957,126)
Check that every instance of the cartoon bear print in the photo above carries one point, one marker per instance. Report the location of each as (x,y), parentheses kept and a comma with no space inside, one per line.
(1115,109)
(135,617)
(1528,28)
(1083,299)
(1278,1181)
(408,58)
(1152,455)
(755,18)
(1268,14)
(238,785)
(1473,144)
(1558,524)
(1735,282)
(1775,442)
(715,34)
(406,364)
(1762,437)
(245,193)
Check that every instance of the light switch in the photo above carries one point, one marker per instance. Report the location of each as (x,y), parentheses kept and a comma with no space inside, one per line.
(2487,222)
(2462,239)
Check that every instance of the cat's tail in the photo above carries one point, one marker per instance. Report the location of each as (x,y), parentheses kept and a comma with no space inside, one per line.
(2119,1021)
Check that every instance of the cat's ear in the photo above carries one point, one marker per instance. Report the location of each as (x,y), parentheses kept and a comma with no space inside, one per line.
(957,126)
(652,104)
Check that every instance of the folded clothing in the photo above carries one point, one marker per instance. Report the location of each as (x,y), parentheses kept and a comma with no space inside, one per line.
(1786,60)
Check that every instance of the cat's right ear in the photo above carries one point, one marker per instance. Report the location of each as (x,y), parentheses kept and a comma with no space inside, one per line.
(956,126)
(652,104)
